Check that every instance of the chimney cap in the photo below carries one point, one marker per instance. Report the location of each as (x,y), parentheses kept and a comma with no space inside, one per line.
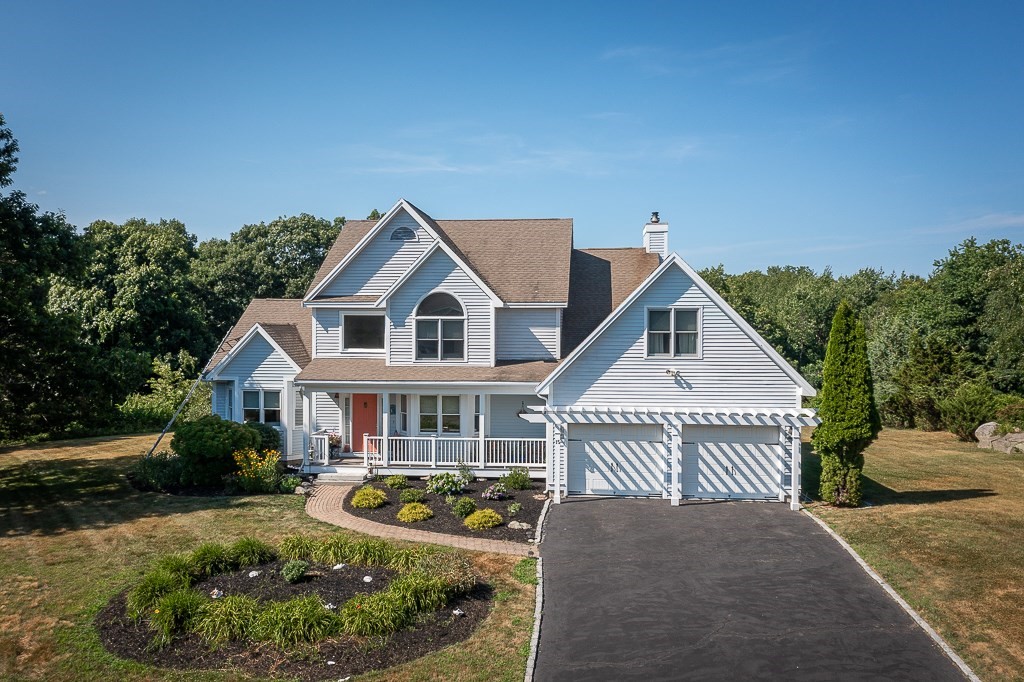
(654,217)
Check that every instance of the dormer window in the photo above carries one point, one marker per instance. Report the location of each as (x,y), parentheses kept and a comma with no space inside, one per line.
(403,234)
(440,328)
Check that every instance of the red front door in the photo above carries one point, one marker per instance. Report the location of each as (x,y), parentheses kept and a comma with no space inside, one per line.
(364,418)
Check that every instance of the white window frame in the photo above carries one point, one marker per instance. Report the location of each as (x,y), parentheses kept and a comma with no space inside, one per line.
(263,408)
(440,414)
(671,355)
(439,321)
(344,326)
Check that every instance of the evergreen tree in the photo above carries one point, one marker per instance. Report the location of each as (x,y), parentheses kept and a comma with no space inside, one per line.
(849,419)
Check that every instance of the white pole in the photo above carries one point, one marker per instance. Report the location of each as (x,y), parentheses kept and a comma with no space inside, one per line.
(794,499)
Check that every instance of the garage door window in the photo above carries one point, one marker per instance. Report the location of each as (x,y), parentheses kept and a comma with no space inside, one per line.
(673,332)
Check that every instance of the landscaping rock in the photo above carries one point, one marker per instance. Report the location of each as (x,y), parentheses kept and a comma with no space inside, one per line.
(985,433)
(299,490)
(519,525)
(1009,443)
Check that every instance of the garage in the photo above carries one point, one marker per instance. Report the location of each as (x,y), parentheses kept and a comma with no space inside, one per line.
(732,462)
(616,459)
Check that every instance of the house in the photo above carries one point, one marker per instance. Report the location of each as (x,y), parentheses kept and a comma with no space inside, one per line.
(423,343)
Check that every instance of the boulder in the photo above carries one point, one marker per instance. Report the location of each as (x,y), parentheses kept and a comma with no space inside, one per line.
(519,525)
(985,433)
(1009,443)
(299,490)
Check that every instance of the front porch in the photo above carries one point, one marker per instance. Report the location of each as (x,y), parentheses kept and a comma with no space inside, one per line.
(428,430)
(423,455)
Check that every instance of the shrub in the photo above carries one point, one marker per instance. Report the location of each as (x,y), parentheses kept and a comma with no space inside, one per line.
(968,407)
(465,473)
(1011,417)
(514,508)
(294,570)
(232,617)
(526,571)
(336,549)
(250,552)
(454,568)
(412,495)
(483,519)
(413,512)
(463,507)
(270,438)
(257,471)
(161,472)
(175,612)
(369,497)
(495,491)
(517,479)
(297,621)
(396,482)
(450,500)
(373,615)
(418,591)
(445,483)
(205,448)
(210,558)
(152,588)
(175,564)
(297,547)
(289,483)
(371,552)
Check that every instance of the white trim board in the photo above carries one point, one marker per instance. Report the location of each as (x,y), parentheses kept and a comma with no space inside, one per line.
(674,260)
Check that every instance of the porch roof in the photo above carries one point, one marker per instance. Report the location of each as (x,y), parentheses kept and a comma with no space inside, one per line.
(348,370)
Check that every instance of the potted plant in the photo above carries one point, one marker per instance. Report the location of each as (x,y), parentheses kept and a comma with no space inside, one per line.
(334,441)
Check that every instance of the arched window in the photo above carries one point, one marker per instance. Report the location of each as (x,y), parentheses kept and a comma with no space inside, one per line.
(440,328)
(403,234)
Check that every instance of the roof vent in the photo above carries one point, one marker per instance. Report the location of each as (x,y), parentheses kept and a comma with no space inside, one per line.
(656,236)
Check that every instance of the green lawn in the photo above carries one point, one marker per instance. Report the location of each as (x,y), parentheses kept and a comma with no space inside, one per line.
(944,525)
(73,533)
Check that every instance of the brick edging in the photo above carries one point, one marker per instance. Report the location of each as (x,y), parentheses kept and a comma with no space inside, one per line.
(325,504)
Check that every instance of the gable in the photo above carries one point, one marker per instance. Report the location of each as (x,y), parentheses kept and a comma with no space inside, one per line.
(735,369)
(382,261)
(440,273)
(257,363)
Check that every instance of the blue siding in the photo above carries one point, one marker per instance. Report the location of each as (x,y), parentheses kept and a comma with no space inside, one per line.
(732,372)
(258,364)
(526,333)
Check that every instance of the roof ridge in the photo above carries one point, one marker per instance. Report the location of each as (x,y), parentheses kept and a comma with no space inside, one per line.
(613,248)
(497,220)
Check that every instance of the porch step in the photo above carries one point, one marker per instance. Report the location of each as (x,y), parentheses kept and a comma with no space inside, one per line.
(343,478)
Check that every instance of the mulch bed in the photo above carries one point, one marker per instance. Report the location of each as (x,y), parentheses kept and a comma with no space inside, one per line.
(331,659)
(444,521)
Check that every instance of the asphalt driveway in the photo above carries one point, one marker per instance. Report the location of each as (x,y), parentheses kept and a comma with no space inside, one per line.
(638,589)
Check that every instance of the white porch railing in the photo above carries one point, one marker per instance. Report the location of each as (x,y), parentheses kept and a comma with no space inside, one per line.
(447,452)
(320,448)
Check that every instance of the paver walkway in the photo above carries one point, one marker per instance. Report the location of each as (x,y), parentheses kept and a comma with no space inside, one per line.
(638,589)
(325,504)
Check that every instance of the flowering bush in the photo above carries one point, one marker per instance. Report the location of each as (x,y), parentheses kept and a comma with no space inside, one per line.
(445,484)
(495,491)
(257,472)
(334,439)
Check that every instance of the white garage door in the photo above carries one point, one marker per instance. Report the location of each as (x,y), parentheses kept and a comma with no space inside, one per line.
(616,459)
(732,462)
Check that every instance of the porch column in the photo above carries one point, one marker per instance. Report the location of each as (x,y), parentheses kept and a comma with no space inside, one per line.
(385,410)
(556,460)
(677,463)
(481,423)
(794,500)
(784,445)
(307,426)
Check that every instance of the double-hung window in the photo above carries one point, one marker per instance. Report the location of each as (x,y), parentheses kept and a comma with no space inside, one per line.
(261,406)
(440,414)
(673,332)
(440,328)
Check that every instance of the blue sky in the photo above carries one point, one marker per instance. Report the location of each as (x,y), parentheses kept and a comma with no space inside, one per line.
(793,133)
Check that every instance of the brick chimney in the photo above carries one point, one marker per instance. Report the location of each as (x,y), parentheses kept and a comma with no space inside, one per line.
(656,236)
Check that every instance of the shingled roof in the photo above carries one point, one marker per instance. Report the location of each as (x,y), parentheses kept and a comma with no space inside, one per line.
(600,280)
(357,369)
(284,319)
(521,260)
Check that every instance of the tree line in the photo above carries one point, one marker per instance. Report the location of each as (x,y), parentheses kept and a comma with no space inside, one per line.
(104,328)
